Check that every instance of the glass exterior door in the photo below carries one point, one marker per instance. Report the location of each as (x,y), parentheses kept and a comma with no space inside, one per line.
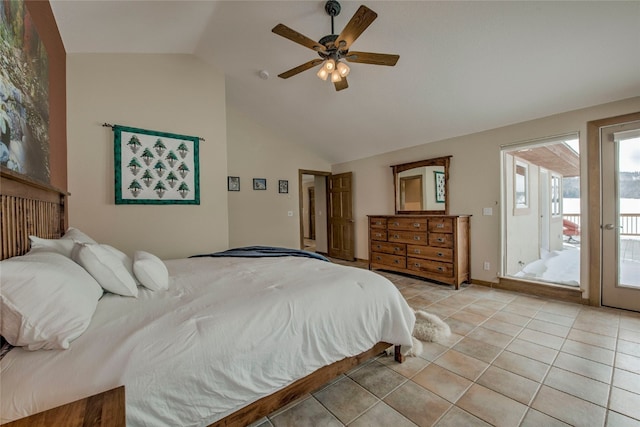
(620,226)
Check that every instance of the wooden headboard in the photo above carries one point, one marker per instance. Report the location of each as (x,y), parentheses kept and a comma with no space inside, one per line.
(28,207)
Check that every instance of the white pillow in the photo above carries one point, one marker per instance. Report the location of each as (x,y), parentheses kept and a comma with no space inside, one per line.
(106,268)
(150,271)
(77,235)
(63,245)
(46,300)
(125,259)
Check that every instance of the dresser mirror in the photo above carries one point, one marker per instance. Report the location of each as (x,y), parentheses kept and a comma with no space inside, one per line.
(422,187)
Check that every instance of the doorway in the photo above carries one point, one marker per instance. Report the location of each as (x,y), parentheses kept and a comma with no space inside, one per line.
(541,211)
(313,211)
(620,207)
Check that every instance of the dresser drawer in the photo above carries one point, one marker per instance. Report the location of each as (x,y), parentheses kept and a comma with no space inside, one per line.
(378,234)
(441,225)
(378,222)
(427,252)
(442,268)
(389,248)
(388,259)
(441,240)
(415,237)
(409,224)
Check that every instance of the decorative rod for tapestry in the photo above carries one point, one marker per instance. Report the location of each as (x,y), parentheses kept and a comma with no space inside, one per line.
(109,125)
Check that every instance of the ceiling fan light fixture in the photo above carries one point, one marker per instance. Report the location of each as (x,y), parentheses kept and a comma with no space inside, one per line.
(343,69)
(335,77)
(330,65)
(323,73)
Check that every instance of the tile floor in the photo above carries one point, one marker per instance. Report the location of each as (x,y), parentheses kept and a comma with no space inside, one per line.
(512,360)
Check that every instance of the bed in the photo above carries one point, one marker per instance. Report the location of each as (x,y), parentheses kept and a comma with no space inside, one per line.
(231,339)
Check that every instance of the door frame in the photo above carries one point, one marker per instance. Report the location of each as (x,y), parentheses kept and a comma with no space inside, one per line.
(326,176)
(595,201)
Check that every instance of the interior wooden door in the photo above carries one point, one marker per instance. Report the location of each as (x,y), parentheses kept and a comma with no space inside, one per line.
(341,222)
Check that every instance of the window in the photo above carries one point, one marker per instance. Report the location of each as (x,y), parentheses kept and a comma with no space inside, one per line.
(521,193)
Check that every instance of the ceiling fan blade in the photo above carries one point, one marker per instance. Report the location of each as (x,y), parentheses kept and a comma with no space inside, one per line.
(300,68)
(293,35)
(342,84)
(358,23)
(372,58)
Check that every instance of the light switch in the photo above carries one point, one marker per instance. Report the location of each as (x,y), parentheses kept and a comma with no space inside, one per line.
(487,211)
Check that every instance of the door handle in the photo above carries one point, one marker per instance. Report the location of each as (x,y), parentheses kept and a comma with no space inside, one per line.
(610,226)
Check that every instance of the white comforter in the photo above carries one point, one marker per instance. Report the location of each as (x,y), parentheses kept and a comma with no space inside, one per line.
(227,332)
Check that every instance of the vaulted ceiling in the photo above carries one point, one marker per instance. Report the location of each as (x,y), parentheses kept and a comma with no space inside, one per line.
(464,67)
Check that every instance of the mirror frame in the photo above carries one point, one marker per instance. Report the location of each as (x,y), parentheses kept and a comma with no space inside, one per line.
(436,161)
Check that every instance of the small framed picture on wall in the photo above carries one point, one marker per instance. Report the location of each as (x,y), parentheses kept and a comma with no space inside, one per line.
(259,183)
(283,186)
(233,183)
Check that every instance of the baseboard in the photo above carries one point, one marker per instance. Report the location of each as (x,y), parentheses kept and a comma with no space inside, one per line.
(562,293)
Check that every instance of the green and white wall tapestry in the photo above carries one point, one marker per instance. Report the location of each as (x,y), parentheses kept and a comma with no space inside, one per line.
(155,168)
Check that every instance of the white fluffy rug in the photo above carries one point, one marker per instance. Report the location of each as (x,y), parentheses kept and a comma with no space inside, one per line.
(428,328)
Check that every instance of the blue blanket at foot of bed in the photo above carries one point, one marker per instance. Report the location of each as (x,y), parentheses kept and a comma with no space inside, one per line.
(263,251)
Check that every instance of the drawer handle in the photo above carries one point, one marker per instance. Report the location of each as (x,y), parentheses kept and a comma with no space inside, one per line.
(396,236)
(378,246)
(378,223)
(396,224)
(416,224)
(416,237)
(440,254)
(440,268)
(440,225)
(417,264)
(378,235)
(395,248)
(440,239)
(396,261)
(417,251)
(378,258)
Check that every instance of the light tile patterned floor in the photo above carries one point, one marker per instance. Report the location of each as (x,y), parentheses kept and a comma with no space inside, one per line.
(512,360)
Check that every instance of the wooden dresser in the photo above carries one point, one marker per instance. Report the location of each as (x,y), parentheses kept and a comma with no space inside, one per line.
(435,247)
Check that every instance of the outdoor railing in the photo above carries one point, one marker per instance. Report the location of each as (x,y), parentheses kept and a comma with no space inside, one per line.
(630,223)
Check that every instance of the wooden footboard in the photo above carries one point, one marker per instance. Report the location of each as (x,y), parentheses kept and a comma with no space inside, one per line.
(311,382)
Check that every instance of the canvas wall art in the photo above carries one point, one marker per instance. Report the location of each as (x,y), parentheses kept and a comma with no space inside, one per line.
(24,94)
(155,167)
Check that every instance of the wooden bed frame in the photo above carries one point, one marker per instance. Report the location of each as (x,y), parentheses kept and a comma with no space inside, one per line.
(29,207)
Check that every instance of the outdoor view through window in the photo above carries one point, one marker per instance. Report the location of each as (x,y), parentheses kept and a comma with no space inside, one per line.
(628,181)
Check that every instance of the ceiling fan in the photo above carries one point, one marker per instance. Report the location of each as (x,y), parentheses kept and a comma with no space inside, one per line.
(333,48)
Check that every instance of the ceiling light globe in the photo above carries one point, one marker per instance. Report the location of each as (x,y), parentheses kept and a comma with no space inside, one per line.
(323,73)
(335,77)
(343,69)
(330,65)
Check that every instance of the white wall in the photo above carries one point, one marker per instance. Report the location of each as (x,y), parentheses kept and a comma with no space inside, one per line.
(255,151)
(171,93)
(522,226)
(474,178)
